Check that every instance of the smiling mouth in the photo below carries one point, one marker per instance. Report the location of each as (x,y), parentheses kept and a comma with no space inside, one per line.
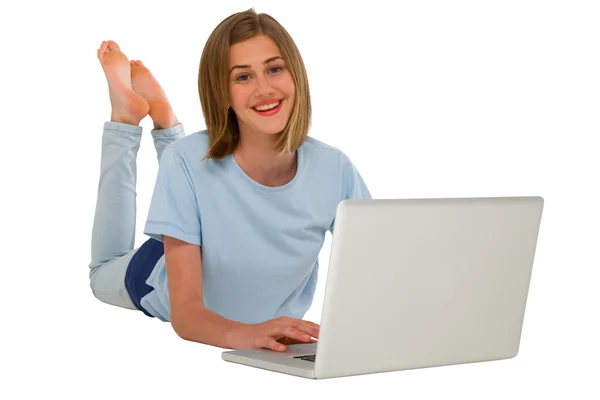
(269,109)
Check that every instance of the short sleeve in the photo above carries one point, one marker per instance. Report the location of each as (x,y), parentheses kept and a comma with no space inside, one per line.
(174,207)
(353,185)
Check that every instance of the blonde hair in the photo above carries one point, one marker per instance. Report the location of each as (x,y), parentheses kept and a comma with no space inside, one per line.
(213,83)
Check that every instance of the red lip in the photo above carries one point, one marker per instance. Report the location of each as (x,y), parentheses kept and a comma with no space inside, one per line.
(270,112)
(264,103)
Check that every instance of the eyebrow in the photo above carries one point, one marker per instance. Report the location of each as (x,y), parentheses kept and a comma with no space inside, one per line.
(268,60)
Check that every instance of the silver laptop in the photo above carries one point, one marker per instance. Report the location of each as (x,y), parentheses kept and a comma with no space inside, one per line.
(418,283)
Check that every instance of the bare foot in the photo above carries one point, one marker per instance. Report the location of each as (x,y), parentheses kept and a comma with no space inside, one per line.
(127,106)
(144,83)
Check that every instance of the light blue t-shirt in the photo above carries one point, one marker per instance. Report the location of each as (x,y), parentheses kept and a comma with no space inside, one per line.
(260,244)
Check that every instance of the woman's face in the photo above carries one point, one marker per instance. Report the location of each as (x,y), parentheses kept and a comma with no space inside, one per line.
(261,87)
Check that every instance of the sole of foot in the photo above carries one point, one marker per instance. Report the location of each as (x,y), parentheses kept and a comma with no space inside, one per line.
(128,106)
(144,83)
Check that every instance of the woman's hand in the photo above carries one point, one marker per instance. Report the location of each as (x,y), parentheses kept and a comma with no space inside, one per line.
(274,334)
(287,341)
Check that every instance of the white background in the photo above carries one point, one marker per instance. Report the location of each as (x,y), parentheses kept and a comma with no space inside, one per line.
(429,99)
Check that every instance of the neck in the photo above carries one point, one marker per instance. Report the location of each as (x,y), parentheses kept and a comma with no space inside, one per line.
(255,155)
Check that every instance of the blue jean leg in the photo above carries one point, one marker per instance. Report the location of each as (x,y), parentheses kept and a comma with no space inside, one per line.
(113,232)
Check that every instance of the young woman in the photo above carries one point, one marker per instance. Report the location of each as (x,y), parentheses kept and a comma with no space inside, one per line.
(239,211)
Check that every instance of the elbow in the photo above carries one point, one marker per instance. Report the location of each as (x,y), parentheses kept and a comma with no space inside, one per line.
(185,321)
(179,325)
(179,329)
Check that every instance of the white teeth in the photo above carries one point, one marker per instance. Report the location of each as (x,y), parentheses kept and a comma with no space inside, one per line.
(267,107)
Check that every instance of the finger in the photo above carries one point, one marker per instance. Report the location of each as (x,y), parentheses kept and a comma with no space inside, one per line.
(272,344)
(306,327)
(311,325)
(284,340)
(296,334)
(301,324)
(314,325)
(294,341)
(305,322)
(311,329)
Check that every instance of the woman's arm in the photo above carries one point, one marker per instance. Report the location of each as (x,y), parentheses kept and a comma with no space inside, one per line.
(190,319)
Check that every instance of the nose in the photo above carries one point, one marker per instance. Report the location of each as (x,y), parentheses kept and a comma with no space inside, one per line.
(263,87)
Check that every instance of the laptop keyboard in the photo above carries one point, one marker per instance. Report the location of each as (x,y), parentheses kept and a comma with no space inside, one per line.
(308,357)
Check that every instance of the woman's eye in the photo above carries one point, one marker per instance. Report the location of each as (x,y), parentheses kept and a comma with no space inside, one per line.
(274,70)
(243,77)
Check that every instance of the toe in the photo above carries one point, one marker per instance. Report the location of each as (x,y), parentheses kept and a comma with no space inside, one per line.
(113,46)
(100,52)
(100,49)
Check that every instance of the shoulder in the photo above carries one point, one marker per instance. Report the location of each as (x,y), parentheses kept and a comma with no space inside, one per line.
(316,149)
(190,146)
(317,145)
